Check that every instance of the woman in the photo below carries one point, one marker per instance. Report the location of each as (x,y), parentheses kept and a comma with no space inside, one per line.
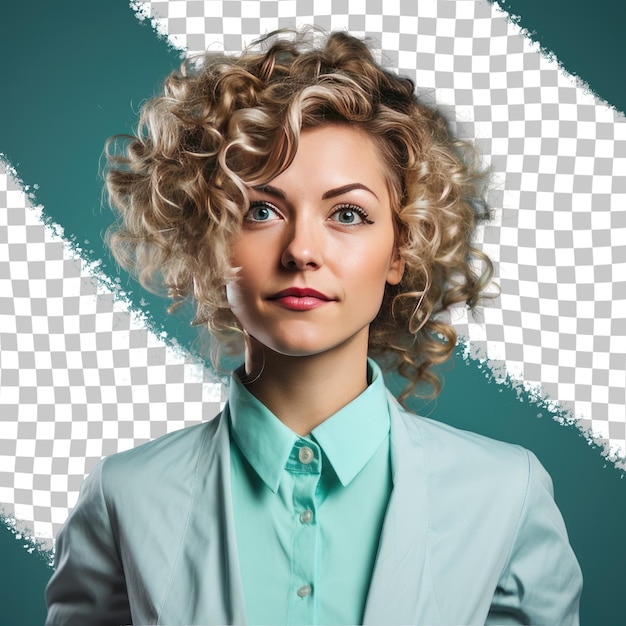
(318,214)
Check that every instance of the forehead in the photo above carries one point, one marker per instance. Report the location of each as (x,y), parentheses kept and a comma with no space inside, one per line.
(336,155)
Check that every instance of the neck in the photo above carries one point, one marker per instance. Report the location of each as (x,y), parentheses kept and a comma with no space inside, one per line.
(304,391)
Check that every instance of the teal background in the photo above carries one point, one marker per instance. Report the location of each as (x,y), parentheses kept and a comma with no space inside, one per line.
(587,38)
(73,79)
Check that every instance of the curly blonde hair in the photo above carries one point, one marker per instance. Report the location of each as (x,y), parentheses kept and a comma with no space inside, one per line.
(225,123)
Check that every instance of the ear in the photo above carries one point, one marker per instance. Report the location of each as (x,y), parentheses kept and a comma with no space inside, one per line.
(396,270)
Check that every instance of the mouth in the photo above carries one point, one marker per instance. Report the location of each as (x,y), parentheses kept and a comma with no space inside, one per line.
(300,299)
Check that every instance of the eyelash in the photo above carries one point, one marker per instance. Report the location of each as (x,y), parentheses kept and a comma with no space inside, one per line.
(257,204)
(343,207)
(356,209)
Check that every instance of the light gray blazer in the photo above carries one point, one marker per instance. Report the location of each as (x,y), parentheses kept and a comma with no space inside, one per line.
(471,536)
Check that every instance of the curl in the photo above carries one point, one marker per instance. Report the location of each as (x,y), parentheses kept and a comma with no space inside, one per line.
(224,123)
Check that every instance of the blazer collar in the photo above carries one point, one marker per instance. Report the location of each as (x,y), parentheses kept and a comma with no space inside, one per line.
(207,580)
(401,590)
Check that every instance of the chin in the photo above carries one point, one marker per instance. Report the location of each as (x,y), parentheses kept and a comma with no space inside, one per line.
(304,344)
(297,348)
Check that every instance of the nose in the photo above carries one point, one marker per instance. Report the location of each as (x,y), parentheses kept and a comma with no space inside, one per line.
(302,249)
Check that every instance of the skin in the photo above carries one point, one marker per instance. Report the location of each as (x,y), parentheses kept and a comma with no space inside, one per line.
(326,224)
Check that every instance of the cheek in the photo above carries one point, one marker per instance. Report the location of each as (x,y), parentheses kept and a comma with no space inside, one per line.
(368,278)
(375,259)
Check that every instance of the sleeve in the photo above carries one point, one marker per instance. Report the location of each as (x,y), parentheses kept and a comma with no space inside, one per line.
(88,586)
(541,582)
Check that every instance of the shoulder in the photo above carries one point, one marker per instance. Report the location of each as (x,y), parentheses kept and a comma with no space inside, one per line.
(486,506)
(476,472)
(168,464)
(439,440)
(184,441)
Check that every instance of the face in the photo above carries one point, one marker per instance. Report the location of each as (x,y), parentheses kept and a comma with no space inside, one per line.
(317,248)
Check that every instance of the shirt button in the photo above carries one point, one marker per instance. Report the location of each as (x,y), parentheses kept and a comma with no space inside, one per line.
(304,591)
(306,516)
(306,455)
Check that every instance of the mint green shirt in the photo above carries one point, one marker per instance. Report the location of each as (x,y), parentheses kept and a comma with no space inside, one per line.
(309,510)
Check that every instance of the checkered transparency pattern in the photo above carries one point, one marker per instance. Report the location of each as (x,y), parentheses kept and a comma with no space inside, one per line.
(81,377)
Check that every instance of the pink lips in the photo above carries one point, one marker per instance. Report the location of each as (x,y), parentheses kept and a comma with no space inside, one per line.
(299,299)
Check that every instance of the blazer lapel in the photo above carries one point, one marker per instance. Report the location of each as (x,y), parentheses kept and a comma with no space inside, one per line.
(206,587)
(401,590)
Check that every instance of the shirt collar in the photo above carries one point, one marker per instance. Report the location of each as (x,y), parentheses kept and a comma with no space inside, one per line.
(349,438)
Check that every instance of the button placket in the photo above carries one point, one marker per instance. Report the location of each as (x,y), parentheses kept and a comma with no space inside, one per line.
(305,466)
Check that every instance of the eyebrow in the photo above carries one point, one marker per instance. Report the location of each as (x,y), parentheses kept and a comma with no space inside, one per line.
(331,193)
(271,191)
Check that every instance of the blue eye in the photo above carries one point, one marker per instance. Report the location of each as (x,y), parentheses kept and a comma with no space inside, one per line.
(261,212)
(350,215)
